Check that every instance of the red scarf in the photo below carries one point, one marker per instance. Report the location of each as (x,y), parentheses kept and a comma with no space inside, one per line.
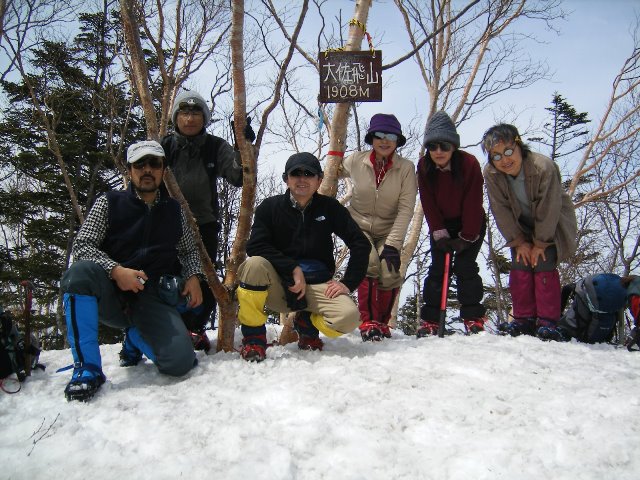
(379,173)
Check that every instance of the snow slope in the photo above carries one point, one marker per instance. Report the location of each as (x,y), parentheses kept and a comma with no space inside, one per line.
(479,407)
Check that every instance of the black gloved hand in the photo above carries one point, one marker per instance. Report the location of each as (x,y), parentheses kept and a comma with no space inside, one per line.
(444,244)
(249,134)
(458,245)
(293,302)
(391,255)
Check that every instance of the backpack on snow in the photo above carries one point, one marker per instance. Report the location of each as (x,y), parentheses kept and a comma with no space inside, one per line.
(593,314)
(13,352)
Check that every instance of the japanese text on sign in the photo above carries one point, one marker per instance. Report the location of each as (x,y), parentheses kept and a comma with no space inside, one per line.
(350,76)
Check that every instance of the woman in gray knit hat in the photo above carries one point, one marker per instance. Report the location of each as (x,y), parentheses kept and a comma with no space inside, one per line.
(450,185)
(384,196)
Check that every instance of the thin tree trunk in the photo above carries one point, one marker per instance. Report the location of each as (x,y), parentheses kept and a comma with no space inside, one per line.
(339,122)
(138,65)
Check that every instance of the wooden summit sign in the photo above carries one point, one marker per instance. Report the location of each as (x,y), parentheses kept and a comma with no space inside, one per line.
(350,76)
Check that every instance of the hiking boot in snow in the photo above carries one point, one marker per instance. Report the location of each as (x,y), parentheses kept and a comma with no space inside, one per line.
(254,348)
(200,341)
(371,331)
(85,382)
(253,353)
(384,328)
(305,342)
(308,334)
(549,334)
(427,329)
(130,355)
(548,330)
(474,325)
(517,327)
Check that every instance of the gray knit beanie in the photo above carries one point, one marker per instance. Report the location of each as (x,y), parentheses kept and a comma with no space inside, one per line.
(441,129)
(190,98)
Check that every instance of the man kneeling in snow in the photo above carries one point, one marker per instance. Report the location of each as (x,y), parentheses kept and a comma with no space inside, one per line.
(291,264)
(125,275)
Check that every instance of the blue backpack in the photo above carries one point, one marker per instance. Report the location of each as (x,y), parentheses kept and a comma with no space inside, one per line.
(593,313)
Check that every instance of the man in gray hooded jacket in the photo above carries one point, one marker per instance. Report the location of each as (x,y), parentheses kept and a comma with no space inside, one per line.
(198,159)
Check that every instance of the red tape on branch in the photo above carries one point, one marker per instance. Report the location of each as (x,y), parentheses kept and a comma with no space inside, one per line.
(335,153)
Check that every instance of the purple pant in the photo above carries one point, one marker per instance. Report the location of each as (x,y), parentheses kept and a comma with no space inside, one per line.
(535,292)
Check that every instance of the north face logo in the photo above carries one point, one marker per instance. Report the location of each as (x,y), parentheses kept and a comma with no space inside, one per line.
(321,218)
(191,101)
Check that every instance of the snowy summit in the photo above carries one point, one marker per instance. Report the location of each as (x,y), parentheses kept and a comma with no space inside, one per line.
(477,407)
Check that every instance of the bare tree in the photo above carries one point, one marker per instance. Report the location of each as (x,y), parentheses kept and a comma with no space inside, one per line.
(615,141)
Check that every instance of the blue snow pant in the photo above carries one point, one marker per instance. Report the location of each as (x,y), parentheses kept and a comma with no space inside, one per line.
(96,299)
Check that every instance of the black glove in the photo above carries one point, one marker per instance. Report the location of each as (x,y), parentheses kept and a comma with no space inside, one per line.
(458,245)
(444,244)
(392,257)
(249,134)
(293,302)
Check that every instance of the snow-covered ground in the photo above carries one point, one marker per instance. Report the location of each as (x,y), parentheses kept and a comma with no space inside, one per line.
(478,407)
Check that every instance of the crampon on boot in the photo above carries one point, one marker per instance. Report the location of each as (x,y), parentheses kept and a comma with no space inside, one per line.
(306,342)
(547,330)
(518,326)
(427,329)
(308,334)
(85,382)
(130,355)
(254,348)
(474,325)
(200,341)
(371,331)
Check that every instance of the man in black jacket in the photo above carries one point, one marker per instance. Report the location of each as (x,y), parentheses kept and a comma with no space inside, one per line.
(198,159)
(291,264)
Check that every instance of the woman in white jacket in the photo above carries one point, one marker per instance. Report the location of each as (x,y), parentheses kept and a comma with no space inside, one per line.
(384,196)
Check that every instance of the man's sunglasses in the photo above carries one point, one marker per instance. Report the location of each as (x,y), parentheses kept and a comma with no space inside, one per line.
(154,162)
(389,136)
(443,146)
(299,173)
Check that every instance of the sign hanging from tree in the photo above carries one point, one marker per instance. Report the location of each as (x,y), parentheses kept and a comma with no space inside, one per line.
(350,76)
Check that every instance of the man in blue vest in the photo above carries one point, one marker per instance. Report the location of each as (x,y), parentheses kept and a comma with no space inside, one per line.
(128,256)
(198,159)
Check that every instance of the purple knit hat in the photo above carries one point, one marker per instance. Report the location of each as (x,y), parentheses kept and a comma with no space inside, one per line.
(386,123)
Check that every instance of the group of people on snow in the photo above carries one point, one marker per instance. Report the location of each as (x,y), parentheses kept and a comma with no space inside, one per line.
(136,265)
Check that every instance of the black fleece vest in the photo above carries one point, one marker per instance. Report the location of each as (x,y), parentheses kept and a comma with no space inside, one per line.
(140,237)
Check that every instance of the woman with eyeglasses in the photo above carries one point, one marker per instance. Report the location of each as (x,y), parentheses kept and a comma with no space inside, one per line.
(382,203)
(450,184)
(537,219)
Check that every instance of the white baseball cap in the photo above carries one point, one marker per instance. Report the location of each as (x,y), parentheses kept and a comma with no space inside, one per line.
(141,149)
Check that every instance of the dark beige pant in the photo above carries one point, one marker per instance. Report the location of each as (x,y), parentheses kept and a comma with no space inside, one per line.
(333,316)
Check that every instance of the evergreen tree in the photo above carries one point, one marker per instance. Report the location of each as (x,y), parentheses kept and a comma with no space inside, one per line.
(408,320)
(564,133)
(91,110)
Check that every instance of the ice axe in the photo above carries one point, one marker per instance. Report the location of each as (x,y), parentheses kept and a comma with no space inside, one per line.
(445,291)
(28,298)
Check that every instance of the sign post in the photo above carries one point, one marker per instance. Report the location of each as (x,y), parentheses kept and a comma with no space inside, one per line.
(350,76)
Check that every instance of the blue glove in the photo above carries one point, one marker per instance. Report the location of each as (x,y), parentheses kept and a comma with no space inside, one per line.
(392,257)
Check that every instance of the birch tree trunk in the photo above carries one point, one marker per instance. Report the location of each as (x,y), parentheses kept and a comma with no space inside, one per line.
(340,118)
